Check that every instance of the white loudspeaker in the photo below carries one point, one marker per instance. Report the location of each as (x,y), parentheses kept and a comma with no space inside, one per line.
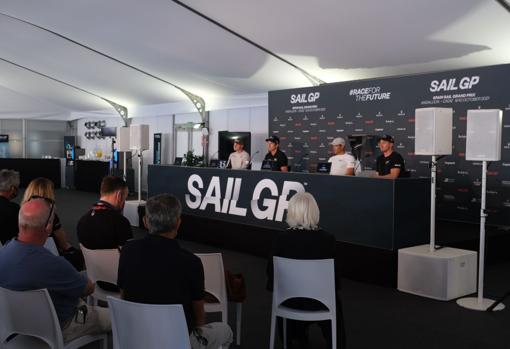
(139,137)
(123,139)
(433,131)
(444,274)
(483,134)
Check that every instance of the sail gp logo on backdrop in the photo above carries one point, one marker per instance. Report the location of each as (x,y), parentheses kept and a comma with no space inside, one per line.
(452,84)
(305,98)
(267,202)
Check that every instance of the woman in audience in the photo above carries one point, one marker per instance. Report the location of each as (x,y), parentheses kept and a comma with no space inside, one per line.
(43,188)
(305,240)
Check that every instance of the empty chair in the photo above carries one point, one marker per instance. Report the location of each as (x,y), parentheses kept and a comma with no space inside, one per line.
(215,284)
(102,265)
(51,246)
(148,326)
(312,279)
(31,315)
(214,275)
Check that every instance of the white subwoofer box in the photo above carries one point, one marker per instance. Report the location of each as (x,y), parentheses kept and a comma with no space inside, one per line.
(483,134)
(444,274)
(139,137)
(123,139)
(433,131)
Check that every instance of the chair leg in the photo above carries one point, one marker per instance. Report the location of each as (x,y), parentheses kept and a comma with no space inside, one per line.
(273,328)
(239,312)
(333,334)
(224,315)
(104,342)
(284,333)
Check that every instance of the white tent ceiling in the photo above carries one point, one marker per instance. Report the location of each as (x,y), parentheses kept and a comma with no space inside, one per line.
(334,40)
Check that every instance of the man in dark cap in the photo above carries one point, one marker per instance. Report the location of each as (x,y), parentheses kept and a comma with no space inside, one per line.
(275,156)
(390,164)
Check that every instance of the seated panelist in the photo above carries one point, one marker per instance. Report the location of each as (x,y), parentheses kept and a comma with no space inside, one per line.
(274,154)
(239,159)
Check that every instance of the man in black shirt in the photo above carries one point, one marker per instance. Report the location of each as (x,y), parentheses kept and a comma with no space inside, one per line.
(104,226)
(9,183)
(156,270)
(278,158)
(390,164)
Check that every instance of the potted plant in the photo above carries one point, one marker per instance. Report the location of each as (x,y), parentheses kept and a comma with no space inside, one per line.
(193,160)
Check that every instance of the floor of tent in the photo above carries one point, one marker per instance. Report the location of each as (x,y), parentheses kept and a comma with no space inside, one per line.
(375,316)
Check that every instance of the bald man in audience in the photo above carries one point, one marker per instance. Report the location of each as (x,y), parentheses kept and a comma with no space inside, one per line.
(26,265)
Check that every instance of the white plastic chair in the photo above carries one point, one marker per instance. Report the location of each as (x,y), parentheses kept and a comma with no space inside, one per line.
(215,284)
(31,315)
(214,275)
(148,326)
(102,265)
(313,279)
(51,246)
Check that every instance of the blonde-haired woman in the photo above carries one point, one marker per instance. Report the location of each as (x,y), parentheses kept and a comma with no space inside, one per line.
(305,240)
(43,188)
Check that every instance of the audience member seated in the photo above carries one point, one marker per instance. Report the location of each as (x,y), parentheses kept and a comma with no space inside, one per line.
(43,188)
(305,240)
(104,226)
(156,270)
(9,183)
(26,265)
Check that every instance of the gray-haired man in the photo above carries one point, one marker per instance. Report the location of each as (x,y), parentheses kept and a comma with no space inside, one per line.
(156,270)
(9,183)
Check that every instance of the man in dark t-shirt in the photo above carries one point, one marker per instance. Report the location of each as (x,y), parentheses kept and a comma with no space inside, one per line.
(156,270)
(9,183)
(275,156)
(389,164)
(104,226)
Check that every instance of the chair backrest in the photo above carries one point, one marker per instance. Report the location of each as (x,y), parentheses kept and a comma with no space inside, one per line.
(102,265)
(214,275)
(29,313)
(314,278)
(148,326)
(51,246)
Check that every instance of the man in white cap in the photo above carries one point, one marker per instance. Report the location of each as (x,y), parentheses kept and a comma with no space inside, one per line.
(239,159)
(342,164)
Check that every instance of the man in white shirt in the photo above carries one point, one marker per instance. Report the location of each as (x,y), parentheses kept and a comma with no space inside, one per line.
(239,159)
(342,164)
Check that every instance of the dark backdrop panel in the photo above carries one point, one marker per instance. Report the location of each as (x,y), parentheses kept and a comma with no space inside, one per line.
(33,168)
(307,119)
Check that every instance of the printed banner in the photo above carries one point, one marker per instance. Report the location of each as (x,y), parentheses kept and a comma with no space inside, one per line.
(307,120)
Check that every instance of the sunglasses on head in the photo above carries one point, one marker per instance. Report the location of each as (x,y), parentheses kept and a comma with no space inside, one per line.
(49,201)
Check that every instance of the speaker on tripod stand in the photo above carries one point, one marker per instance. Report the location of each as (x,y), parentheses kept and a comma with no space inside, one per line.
(429,270)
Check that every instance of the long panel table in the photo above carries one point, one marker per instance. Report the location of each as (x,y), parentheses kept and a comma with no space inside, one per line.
(377,213)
